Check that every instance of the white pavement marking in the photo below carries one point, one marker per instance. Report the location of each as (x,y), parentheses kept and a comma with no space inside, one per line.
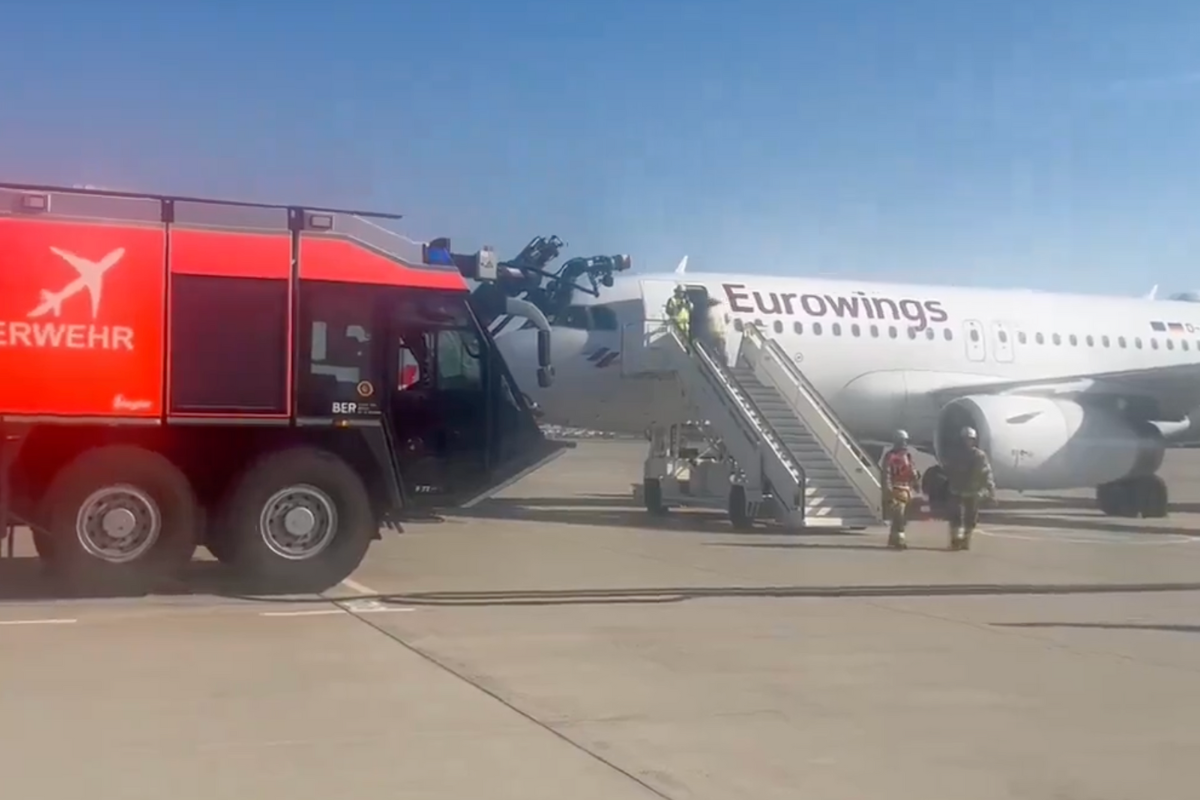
(38,621)
(355,586)
(312,612)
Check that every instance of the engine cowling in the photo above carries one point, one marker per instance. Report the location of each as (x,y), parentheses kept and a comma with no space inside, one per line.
(1043,443)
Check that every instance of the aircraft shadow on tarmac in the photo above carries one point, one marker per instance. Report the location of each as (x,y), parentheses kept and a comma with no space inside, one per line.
(1093,521)
(1069,513)
(1107,626)
(1034,501)
(677,594)
(616,511)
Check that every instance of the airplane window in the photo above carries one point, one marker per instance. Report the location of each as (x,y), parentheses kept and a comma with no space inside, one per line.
(1121,341)
(855,330)
(778,326)
(929,334)
(874,331)
(1041,339)
(1073,340)
(738,325)
(1104,341)
(974,335)
(948,334)
(1184,344)
(1138,343)
(1021,338)
(1090,341)
(1002,336)
(816,328)
(892,331)
(1170,344)
(604,318)
(1154,344)
(1056,339)
(837,328)
(798,327)
(575,317)
(912,332)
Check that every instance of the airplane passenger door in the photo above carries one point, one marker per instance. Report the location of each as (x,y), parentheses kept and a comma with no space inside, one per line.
(974,333)
(1002,342)
(638,354)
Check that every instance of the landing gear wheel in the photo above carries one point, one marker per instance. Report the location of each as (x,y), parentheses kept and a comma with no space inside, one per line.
(1154,497)
(739,512)
(652,496)
(1111,499)
(119,517)
(1143,496)
(1150,497)
(936,489)
(298,519)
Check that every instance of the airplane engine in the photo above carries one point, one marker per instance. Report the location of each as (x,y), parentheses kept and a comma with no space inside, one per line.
(1043,443)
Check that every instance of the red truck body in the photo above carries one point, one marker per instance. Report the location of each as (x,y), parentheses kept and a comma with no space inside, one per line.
(198,372)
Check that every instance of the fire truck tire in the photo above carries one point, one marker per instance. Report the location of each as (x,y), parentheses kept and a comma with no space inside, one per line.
(297,519)
(119,516)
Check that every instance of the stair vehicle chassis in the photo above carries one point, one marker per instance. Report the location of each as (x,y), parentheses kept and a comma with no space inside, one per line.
(274,383)
(688,467)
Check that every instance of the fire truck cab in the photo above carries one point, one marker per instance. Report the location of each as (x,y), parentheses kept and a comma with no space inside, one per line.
(275,383)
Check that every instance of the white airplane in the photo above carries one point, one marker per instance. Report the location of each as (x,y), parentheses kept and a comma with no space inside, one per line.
(1067,391)
(91,277)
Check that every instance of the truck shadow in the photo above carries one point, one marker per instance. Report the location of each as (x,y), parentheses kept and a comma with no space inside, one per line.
(25,579)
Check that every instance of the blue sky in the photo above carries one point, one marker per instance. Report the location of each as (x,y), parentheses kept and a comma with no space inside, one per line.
(1036,144)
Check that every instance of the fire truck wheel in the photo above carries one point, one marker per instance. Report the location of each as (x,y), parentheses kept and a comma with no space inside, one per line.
(299,519)
(120,516)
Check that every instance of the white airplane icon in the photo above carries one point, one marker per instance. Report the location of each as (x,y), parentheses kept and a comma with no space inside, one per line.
(91,277)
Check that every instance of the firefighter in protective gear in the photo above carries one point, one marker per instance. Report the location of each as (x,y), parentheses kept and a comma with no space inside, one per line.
(679,313)
(969,474)
(900,481)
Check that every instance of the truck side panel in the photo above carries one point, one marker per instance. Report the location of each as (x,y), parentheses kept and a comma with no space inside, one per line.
(81,312)
(231,305)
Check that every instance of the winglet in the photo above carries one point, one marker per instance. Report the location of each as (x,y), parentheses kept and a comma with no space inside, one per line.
(1150,294)
(682,268)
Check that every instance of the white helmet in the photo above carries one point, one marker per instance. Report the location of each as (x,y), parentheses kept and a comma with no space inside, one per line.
(901,437)
(969,433)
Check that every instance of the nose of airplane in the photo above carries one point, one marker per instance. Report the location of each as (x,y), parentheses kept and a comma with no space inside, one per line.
(567,348)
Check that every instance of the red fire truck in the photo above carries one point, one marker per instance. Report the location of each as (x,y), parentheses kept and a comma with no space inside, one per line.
(271,382)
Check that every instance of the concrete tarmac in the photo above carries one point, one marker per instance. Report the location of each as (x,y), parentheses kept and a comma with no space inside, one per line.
(556,642)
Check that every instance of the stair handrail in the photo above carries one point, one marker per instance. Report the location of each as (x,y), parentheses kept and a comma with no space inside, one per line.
(819,402)
(746,409)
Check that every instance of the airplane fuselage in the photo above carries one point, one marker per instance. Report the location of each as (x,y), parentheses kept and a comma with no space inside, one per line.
(877,352)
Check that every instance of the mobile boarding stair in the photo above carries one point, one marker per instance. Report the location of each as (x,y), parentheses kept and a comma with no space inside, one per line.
(792,459)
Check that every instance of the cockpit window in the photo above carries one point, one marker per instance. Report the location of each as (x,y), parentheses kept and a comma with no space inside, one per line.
(604,318)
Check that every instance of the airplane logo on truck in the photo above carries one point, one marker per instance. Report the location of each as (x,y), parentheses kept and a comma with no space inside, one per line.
(91,277)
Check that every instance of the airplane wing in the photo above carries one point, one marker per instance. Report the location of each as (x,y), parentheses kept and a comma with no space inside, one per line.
(1175,390)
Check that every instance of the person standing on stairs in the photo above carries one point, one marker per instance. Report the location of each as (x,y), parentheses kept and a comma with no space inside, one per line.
(969,473)
(679,313)
(900,482)
(713,332)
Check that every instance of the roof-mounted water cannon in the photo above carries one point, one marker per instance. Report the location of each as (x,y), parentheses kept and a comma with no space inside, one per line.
(478,266)
(489,298)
